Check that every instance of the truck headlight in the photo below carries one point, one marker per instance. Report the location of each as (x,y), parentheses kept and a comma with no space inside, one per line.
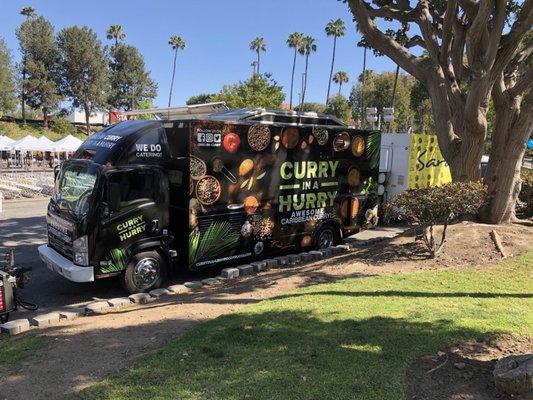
(81,252)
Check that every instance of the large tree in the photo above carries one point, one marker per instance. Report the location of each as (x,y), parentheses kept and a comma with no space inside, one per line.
(8,98)
(177,43)
(469,55)
(131,84)
(335,28)
(258,45)
(84,69)
(28,12)
(258,91)
(339,78)
(41,60)
(294,41)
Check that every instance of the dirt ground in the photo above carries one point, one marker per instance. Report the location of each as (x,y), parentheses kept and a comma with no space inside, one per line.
(464,371)
(81,352)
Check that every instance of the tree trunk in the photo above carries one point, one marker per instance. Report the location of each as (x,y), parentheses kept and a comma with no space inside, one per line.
(395,85)
(332,64)
(305,79)
(507,151)
(173,75)
(461,145)
(23,94)
(363,89)
(45,118)
(87,110)
(258,61)
(292,75)
(340,88)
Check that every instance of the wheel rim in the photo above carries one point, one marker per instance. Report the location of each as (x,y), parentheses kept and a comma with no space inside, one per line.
(325,239)
(146,273)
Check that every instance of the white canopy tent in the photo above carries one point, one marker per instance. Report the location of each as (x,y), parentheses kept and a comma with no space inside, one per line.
(48,145)
(27,143)
(68,144)
(5,143)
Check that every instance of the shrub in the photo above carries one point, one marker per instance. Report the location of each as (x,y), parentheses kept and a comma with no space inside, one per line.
(63,127)
(525,198)
(431,206)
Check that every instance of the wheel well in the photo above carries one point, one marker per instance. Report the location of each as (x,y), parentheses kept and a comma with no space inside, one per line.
(334,225)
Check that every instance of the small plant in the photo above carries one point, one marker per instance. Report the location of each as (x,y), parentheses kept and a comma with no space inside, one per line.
(432,206)
(525,198)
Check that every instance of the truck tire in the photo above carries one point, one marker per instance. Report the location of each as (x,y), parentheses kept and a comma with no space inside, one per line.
(145,271)
(326,236)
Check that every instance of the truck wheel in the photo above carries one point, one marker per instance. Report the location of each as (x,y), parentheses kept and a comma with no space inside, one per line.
(326,237)
(145,271)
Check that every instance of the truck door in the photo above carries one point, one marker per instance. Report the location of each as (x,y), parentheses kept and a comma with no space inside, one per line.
(137,213)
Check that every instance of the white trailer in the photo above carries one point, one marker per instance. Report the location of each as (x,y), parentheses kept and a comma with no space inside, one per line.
(408,161)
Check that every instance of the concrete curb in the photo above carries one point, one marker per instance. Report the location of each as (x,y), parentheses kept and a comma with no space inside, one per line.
(18,326)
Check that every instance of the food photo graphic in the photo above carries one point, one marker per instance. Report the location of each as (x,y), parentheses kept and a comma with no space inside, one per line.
(261,186)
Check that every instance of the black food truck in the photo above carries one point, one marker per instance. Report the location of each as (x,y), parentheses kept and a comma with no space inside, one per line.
(207,186)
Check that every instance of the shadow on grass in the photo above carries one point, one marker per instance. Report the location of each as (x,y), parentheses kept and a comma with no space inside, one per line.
(285,355)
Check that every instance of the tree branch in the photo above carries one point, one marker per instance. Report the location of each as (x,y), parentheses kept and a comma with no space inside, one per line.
(381,42)
(447,30)
(510,41)
(523,82)
(386,11)
(500,15)
(416,40)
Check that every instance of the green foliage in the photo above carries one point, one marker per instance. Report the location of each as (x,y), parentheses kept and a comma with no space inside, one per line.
(314,107)
(377,92)
(8,97)
(372,150)
(216,240)
(40,62)
(130,83)
(258,91)
(84,68)
(430,206)
(201,98)
(339,107)
(525,199)
(348,339)
(420,104)
(116,33)
(63,127)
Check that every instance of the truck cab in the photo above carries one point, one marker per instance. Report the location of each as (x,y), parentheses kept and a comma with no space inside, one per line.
(111,204)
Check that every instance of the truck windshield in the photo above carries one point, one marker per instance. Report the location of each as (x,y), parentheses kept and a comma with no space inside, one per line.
(74,187)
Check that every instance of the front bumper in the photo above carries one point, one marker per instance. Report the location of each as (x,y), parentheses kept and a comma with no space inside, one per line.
(63,266)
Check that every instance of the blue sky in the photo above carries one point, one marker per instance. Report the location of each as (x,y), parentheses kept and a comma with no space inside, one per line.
(217,34)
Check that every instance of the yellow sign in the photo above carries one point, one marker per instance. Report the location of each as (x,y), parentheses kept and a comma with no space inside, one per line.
(426,164)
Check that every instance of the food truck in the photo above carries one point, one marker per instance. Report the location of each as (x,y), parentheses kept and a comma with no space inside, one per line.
(206,186)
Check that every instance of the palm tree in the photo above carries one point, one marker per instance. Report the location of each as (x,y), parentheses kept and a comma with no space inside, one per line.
(340,78)
(336,29)
(307,47)
(294,42)
(115,32)
(177,43)
(28,12)
(258,45)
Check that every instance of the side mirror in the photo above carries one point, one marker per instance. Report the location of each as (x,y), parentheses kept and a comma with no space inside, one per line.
(56,172)
(113,197)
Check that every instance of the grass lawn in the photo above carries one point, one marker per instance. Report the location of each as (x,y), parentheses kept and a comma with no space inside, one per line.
(14,350)
(345,340)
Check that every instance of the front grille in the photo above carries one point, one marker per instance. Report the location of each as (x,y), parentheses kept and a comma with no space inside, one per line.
(59,244)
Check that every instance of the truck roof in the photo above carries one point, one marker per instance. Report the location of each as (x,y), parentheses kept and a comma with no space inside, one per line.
(221,113)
